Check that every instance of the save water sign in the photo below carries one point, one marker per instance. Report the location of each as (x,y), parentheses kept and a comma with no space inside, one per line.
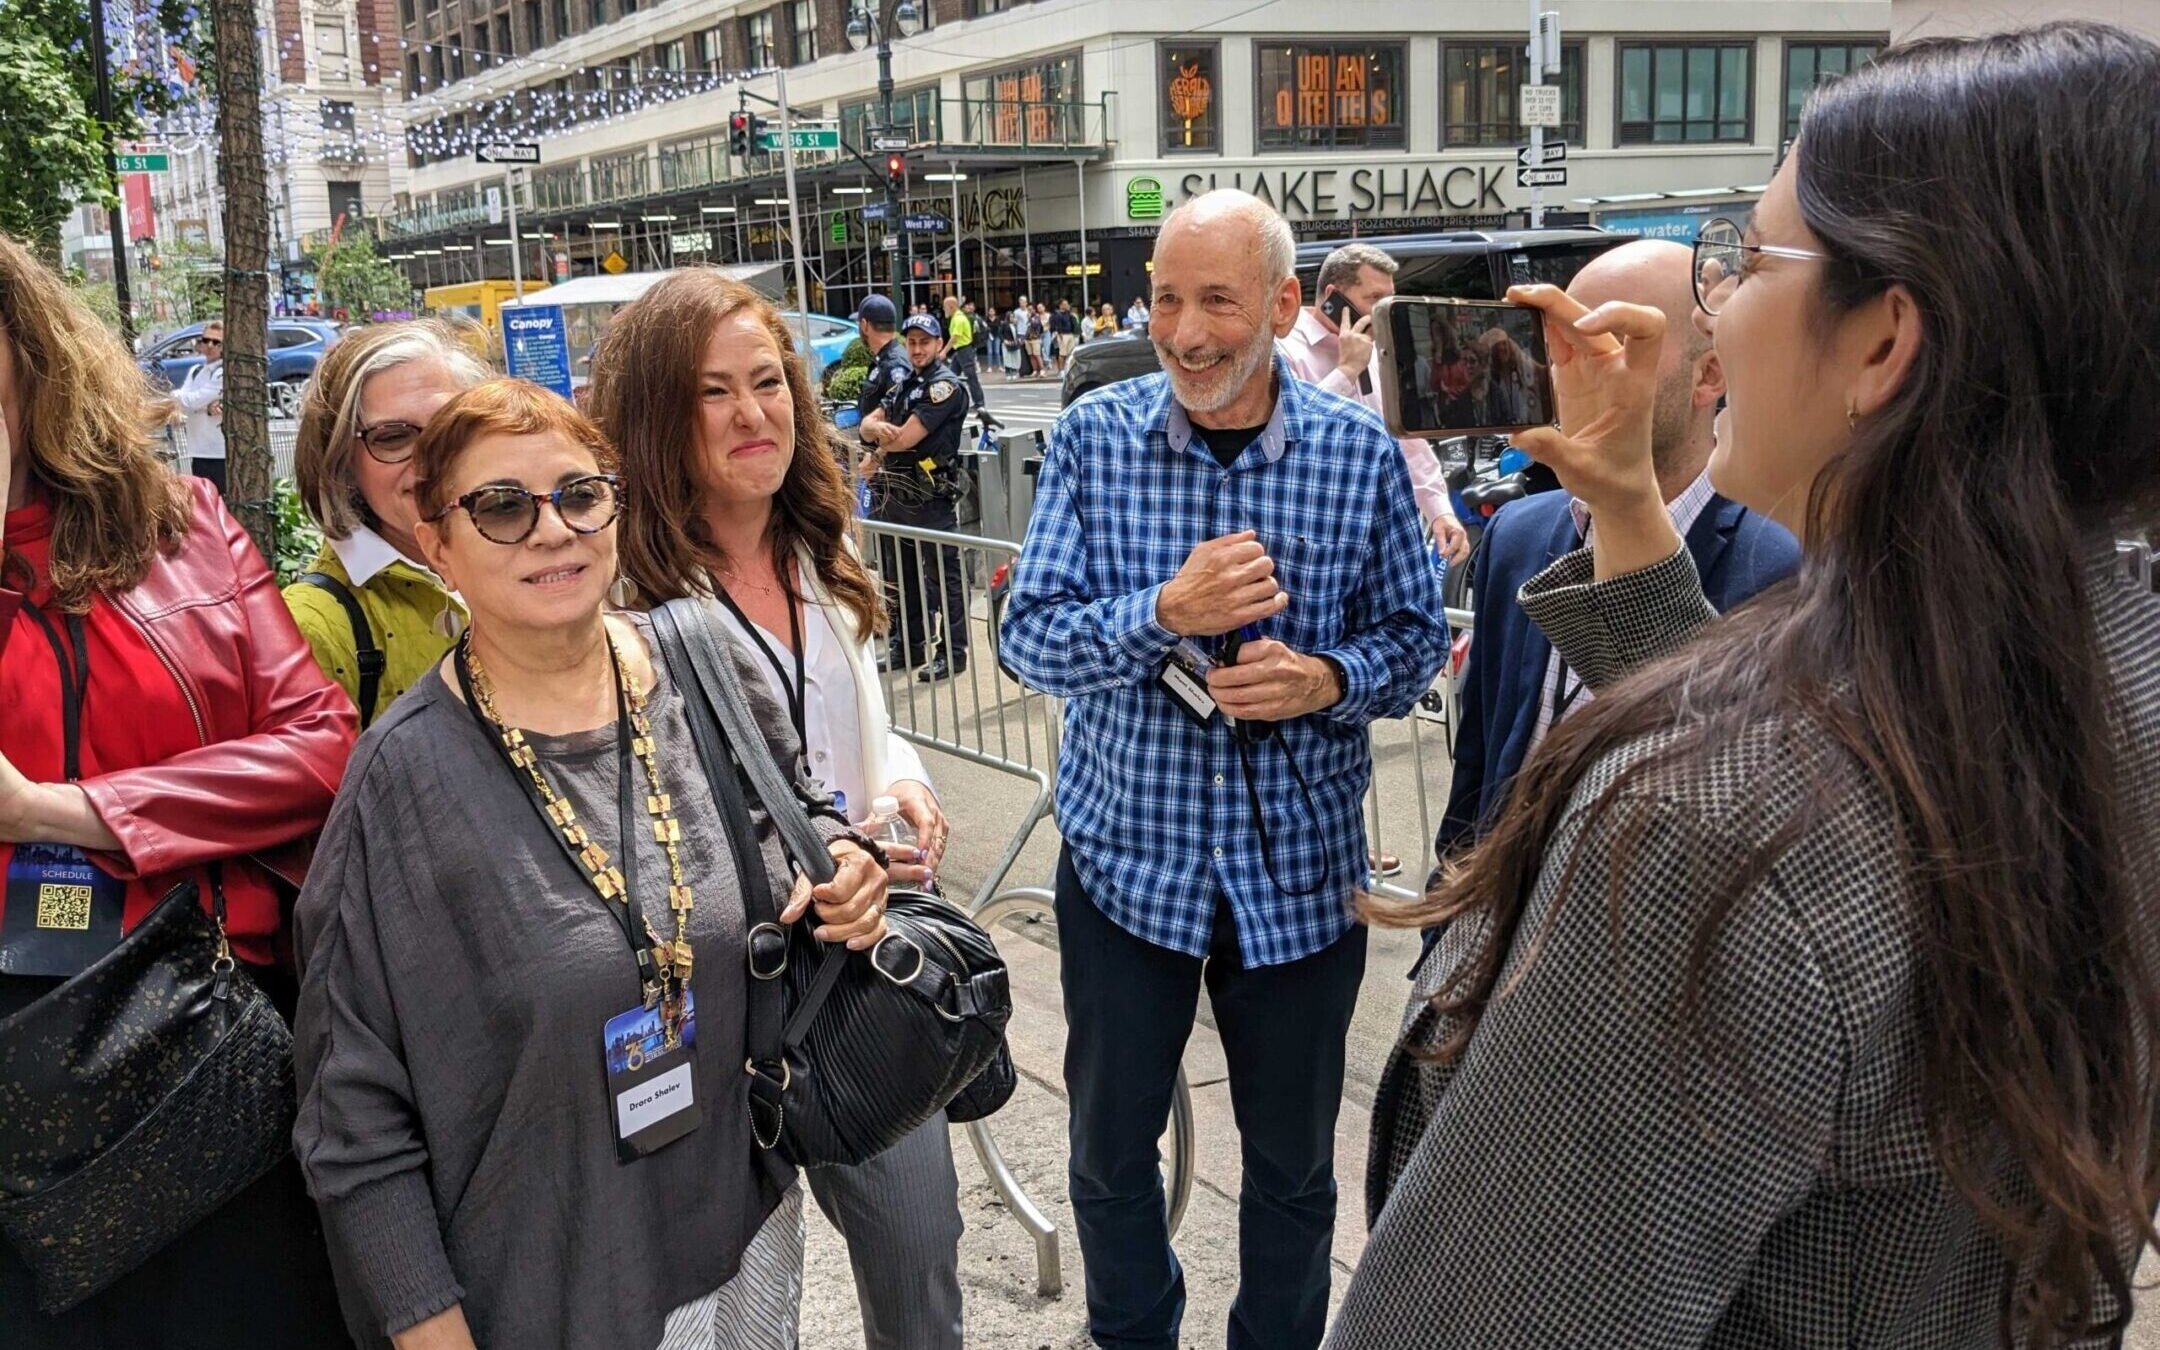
(536,347)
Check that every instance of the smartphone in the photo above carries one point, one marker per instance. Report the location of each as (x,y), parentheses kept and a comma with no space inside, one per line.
(1452,368)
(1335,305)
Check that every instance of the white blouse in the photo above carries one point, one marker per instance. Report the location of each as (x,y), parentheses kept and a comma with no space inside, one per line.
(841,693)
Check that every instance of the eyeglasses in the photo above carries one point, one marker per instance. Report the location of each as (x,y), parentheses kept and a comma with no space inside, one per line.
(1720,265)
(507,514)
(390,442)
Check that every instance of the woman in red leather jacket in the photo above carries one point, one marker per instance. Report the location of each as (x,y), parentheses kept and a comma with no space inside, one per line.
(159,713)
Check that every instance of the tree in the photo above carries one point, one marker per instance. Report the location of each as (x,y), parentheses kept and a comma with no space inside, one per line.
(247,278)
(353,277)
(51,142)
(48,140)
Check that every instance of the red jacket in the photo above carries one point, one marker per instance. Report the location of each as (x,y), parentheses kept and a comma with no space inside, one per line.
(274,732)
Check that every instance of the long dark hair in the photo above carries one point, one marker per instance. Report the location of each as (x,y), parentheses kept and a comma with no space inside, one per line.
(1937,651)
(644,394)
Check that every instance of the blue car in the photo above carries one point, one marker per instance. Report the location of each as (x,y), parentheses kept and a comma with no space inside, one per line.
(296,345)
(829,338)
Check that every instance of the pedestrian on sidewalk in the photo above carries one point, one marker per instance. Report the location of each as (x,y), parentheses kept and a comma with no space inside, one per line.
(483,1025)
(201,401)
(1756,1020)
(1221,514)
(961,349)
(764,537)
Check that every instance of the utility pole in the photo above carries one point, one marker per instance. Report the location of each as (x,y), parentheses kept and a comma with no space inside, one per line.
(118,213)
(892,192)
(517,244)
(247,280)
(794,214)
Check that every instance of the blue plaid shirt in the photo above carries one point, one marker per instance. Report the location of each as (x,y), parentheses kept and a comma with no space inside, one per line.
(1153,807)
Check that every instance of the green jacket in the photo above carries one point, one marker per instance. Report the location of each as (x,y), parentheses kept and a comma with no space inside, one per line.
(401,602)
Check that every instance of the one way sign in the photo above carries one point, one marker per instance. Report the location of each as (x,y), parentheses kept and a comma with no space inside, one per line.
(1530,157)
(1535,178)
(507,152)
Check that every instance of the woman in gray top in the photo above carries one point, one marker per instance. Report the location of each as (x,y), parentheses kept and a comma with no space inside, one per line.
(522,1108)
(1804,992)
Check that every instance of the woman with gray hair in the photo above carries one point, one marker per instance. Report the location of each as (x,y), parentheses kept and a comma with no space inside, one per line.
(376,618)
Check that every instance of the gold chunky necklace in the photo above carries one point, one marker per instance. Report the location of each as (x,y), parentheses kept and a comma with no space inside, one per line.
(673,957)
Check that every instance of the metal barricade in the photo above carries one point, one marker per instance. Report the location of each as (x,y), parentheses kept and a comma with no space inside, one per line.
(937,581)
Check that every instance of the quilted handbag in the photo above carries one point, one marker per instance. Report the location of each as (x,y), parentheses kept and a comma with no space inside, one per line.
(850,1051)
(136,1099)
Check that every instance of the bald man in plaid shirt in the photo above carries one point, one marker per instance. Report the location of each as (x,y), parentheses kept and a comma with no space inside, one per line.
(1225,580)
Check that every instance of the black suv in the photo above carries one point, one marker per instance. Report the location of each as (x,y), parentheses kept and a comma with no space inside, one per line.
(1467,265)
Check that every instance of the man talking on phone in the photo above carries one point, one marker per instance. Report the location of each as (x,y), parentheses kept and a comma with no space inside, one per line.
(1331,345)
(1225,579)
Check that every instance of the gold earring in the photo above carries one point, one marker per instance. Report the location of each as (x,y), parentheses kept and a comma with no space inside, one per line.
(449,623)
(622,592)
(1852,415)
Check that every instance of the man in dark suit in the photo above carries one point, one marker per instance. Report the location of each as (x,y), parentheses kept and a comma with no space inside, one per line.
(1514,687)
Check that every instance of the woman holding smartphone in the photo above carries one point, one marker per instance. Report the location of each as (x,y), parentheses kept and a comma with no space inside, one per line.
(1805,991)
(735,498)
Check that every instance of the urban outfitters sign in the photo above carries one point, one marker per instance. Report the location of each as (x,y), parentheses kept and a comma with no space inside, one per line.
(1323,194)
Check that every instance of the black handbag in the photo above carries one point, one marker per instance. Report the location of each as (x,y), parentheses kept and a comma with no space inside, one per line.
(136,1099)
(850,1052)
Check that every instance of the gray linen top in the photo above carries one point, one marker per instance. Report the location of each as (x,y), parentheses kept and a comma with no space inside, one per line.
(1581,1176)
(458,969)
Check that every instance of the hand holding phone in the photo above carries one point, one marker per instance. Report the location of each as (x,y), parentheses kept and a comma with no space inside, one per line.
(1354,348)
(1225,584)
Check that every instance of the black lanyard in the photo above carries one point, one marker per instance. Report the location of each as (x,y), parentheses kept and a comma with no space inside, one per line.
(74,683)
(631,916)
(797,695)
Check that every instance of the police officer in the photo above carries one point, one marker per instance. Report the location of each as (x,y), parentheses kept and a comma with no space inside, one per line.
(879,324)
(915,437)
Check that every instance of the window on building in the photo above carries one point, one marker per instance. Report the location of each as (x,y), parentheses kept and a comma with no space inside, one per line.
(618,176)
(1808,64)
(915,115)
(711,51)
(332,61)
(344,199)
(1693,92)
(337,115)
(596,14)
(977,8)
(1191,76)
(1035,104)
(1479,106)
(562,20)
(476,49)
(405,12)
(802,25)
(758,40)
(503,47)
(1321,94)
(535,27)
(412,73)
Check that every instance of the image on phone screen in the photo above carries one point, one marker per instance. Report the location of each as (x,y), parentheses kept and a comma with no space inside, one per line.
(1461,368)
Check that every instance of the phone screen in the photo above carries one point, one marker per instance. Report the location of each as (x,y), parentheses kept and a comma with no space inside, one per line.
(1458,368)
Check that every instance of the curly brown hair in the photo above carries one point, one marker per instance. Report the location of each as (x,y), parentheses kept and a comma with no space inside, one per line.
(87,416)
(644,394)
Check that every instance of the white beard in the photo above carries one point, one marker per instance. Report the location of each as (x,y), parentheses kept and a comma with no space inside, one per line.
(1230,376)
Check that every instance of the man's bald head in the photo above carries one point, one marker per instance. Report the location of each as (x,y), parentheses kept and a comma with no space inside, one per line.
(1661,274)
(1238,220)
(1654,272)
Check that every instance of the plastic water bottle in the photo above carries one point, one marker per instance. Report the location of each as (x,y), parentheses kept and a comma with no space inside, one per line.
(887,825)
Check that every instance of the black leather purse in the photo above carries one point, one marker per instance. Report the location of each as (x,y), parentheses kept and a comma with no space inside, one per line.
(850,1051)
(136,1099)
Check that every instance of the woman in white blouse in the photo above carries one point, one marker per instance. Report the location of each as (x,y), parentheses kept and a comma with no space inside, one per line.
(734,494)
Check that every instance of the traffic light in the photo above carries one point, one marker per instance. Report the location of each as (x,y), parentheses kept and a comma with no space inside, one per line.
(738,134)
(896,172)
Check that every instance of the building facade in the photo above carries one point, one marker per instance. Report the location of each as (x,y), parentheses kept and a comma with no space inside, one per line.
(1046,140)
(332,132)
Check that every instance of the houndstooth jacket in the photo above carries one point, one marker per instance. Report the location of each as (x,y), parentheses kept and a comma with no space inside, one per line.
(1581,1177)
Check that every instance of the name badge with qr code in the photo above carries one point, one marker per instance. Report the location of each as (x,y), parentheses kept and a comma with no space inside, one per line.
(62,911)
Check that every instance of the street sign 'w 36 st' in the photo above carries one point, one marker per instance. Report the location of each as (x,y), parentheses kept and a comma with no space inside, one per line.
(802,140)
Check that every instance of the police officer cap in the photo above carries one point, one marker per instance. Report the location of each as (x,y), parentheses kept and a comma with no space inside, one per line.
(878,311)
(923,323)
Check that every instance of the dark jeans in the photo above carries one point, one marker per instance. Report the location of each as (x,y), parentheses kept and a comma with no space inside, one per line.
(1129,1008)
(966,367)
(211,471)
(923,582)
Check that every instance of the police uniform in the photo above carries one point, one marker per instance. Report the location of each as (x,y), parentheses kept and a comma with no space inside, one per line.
(889,369)
(922,487)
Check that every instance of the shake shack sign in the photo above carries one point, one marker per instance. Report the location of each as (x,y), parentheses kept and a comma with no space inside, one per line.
(1325,194)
